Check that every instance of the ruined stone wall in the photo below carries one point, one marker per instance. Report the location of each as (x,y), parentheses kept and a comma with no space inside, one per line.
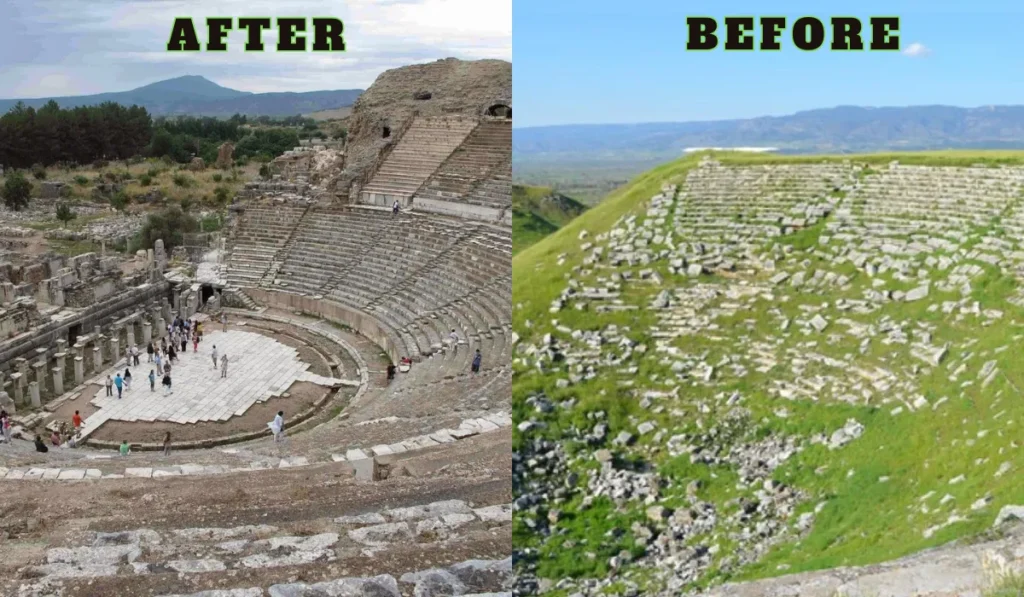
(448,86)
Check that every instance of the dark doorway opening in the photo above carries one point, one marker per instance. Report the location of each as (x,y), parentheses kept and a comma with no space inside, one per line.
(73,333)
(386,133)
(500,111)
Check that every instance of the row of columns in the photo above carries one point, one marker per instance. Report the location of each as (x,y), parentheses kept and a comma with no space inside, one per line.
(30,380)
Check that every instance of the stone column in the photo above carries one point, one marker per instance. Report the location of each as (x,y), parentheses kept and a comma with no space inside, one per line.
(38,373)
(115,347)
(130,334)
(97,358)
(61,357)
(18,384)
(58,381)
(62,345)
(22,364)
(147,332)
(161,327)
(79,371)
(33,392)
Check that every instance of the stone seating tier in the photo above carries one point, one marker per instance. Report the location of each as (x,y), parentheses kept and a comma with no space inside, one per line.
(487,147)
(421,150)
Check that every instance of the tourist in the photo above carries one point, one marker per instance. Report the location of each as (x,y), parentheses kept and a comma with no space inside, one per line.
(158,360)
(119,383)
(453,339)
(214,354)
(405,364)
(391,372)
(125,448)
(167,444)
(395,208)
(277,426)
(195,342)
(171,355)
(40,445)
(55,439)
(224,366)
(149,350)
(6,424)
(199,330)
(476,361)
(152,380)
(135,355)
(127,379)
(127,356)
(184,343)
(76,421)
(224,321)
(110,386)
(167,383)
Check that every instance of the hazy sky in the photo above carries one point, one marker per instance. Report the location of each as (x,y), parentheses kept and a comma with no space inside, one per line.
(605,61)
(75,47)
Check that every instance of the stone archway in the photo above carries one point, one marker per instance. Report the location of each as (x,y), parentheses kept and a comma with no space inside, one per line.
(500,111)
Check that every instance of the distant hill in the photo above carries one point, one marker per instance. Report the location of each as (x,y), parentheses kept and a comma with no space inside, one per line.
(537,212)
(843,129)
(198,96)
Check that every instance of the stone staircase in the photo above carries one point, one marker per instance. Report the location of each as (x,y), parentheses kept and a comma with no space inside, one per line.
(424,146)
(487,147)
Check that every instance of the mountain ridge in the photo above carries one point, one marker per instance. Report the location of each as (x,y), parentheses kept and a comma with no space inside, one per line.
(839,129)
(198,96)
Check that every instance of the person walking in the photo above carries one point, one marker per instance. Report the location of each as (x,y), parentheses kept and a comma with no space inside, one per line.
(391,372)
(277,426)
(76,421)
(476,361)
(110,386)
(184,343)
(395,208)
(214,355)
(453,338)
(5,426)
(135,355)
(167,384)
(125,449)
(119,382)
(195,342)
(223,321)
(167,444)
(158,359)
(127,379)
(152,380)
(224,366)
(149,351)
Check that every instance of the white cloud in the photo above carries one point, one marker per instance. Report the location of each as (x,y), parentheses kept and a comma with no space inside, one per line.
(916,50)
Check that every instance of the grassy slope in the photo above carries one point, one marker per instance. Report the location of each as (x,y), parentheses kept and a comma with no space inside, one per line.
(864,521)
(537,212)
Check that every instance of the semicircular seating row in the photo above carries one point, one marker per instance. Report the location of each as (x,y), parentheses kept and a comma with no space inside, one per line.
(419,276)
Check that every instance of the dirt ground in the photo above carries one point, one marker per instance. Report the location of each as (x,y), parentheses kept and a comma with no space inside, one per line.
(302,395)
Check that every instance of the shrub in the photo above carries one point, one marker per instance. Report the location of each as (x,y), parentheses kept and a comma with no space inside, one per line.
(38,171)
(120,201)
(182,180)
(65,214)
(81,180)
(17,190)
(153,172)
(169,225)
(145,180)
(217,177)
(111,176)
(221,195)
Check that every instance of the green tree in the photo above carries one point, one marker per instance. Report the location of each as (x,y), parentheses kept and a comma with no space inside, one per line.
(17,189)
(65,214)
(169,225)
(120,201)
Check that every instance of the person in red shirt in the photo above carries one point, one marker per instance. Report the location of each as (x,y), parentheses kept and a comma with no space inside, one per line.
(77,421)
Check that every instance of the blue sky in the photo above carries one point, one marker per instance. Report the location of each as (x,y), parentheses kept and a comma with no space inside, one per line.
(602,61)
(76,47)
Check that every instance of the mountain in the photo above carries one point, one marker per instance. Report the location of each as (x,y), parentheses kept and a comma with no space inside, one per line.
(832,130)
(537,212)
(198,96)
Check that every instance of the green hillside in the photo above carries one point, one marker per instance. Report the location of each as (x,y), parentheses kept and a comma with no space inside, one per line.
(781,364)
(537,212)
